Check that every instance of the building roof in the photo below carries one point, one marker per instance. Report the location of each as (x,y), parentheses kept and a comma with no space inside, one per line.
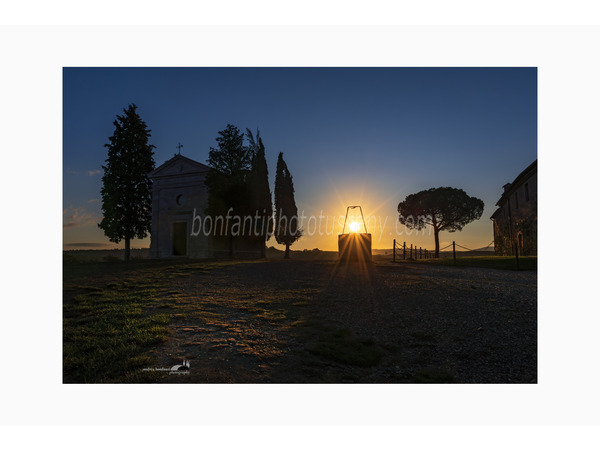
(495,213)
(511,187)
(177,165)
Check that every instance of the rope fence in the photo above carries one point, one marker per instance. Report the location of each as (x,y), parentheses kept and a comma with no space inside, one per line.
(401,251)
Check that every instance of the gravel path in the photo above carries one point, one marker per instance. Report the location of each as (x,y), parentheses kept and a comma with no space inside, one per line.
(244,323)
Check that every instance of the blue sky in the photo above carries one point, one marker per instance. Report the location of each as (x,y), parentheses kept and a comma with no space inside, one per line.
(367,136)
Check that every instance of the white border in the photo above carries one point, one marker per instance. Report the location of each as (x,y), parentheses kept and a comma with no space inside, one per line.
(568,310)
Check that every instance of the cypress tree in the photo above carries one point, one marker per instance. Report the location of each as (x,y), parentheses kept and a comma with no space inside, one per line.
(286,213)
(126,189)
(260,191)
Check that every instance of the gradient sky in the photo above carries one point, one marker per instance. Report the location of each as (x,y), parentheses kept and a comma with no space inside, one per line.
(368,136)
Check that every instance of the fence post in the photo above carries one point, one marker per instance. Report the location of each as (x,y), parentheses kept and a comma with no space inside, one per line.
(454,251)
(420,254)
(404,251)
(394,251)
(411,257)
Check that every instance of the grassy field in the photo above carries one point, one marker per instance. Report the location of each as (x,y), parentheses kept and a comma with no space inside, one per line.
(488,262)
(115,312)
(74,257)
(304,320)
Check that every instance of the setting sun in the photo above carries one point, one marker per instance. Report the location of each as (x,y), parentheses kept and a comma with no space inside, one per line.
(354,227)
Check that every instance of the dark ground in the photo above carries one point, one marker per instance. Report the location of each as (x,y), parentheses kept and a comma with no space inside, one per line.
(317,321)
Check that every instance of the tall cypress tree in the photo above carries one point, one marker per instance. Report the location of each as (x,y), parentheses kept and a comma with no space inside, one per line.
(260,192)
(126,188)
(286,213)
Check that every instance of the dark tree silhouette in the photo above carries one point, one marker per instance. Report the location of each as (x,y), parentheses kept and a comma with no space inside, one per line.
(444,208)
(261,202)
(227,182)
(253,147)
(126,188)
(286,213)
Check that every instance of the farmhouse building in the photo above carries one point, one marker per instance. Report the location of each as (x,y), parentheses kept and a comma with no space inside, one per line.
(515,220)
(179,201)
